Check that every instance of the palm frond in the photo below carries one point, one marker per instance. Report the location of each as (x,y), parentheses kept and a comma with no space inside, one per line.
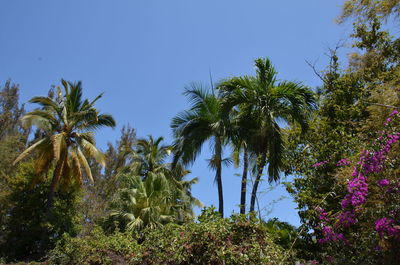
(93,151)
(46,103)
(59,145)
(85,164)
(39,121)
(31,149)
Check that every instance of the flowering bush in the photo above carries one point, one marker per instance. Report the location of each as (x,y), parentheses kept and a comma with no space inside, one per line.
(370,212)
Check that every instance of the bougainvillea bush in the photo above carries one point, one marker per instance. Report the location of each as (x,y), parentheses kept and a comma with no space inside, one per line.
(367,228)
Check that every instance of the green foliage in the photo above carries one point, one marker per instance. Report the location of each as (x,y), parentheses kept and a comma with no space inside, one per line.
(96,248)
(258,103)
(12,140)
(151,192)
(149,199)
(67,122)
(367,9)
(143,203)
(353,104)
(213,240)
(98,196)
(24,220)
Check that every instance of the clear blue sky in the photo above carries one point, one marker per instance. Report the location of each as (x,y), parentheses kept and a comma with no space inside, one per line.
(142,53)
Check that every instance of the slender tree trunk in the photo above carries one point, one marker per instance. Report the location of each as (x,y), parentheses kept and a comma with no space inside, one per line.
(244,182)
(218,175)
(261,165)
(49,206)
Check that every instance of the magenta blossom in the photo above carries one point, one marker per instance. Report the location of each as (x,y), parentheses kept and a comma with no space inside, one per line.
(395,112)
(383,182)
(320,164)
(386,226)
(343,162)
(347,218)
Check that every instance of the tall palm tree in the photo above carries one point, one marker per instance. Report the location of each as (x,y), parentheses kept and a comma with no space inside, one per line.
(265,104)
(67,122)
(238,148)
(192,128)
(240,138)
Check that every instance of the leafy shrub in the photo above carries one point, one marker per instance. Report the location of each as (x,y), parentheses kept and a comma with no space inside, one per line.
(213,240)
(95,248)
(22,226)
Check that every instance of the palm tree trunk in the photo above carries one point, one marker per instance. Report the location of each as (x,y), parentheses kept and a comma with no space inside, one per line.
(244,182)
(261,166)
(218,175)
(49,206)
(50,196)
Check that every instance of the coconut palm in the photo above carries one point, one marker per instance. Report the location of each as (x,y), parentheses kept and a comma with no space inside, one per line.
(67,122)
(266,104)
(149,156)
(192,128)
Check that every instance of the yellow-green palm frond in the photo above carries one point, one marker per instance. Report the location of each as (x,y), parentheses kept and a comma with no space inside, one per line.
(59,146)
(38,145)
(82,159)
(32,119)
(76,168)
(93,151)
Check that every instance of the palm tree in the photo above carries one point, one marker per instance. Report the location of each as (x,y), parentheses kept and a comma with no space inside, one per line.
(150,156)
(192,128)
(264,104)
(143,203)
(154,193)
(182,192)
(239,135)
(238,148)
(67,122)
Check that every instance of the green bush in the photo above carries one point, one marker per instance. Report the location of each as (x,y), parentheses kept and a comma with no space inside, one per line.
(213,240)
(96,248)
(23,223)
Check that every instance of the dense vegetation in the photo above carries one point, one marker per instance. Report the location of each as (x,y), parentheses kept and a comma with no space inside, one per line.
(64,201)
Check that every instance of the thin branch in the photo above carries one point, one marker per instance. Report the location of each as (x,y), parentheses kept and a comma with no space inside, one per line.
(381,105)
(312,65)
(302,229)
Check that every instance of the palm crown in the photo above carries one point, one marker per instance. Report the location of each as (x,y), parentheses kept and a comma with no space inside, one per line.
(67,122)
(202,122)
(262,105)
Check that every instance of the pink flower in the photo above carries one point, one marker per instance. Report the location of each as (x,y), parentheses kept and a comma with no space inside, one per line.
(320,164)
(395,112)
(383,182)
(343,162)
(387,226)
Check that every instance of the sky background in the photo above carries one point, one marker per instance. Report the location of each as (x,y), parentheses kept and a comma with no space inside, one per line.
(143,53)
